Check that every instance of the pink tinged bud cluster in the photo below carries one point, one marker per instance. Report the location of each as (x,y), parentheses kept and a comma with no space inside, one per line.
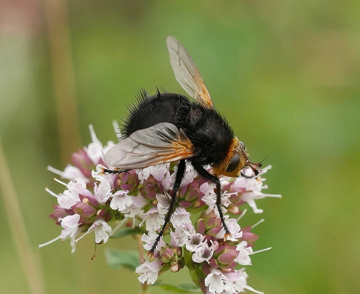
(93,201)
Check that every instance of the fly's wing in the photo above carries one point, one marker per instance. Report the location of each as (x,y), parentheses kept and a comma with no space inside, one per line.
(160,143)
(186,72)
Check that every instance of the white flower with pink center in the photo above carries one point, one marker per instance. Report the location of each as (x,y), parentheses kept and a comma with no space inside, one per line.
(194,241)
(203,252)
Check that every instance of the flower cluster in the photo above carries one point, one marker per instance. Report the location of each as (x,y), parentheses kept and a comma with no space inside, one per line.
(94,200)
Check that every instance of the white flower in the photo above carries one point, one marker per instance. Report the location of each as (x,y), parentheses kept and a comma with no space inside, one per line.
(168,181)
(102,192)
(178,238)
(203,252)
(225,198)
(188,228)
(70,226)
(194,241)
(159,172)
(221,283)
(217,282)
(67,199)
(102,231)
(78,186)
(189,175)
(153,220)
(244,251)
(149,240)
(234,229)
(135,209)
(99,175)
(209,194)
(120,200)
(95,148)
(250,197)
(70,172)
(238,280)
(71,196)
(251,188)
(163,203)
(148,271)
(180,217)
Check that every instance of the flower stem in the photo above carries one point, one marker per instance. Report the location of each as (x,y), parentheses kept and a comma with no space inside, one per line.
(140,247)
(17,225)
(144,287)
(57,20)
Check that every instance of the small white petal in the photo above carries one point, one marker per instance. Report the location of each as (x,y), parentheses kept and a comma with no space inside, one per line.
(121,201)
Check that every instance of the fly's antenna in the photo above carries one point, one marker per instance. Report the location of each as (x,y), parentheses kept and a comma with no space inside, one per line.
(263,160)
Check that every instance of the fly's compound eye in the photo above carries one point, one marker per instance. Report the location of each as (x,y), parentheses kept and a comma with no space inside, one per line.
(233,164)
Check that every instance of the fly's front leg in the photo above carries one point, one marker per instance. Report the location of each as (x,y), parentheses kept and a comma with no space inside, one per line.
(114,171)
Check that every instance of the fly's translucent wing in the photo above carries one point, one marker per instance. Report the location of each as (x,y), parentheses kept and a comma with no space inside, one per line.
(158,144)
(186,72)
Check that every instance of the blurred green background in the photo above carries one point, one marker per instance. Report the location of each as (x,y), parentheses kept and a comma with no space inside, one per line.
(285,73)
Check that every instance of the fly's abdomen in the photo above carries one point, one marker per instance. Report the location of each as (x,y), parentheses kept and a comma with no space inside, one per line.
(151,110)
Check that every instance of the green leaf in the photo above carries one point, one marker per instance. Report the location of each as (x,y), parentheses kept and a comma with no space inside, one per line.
(127,232)
(182,288)
(118,259)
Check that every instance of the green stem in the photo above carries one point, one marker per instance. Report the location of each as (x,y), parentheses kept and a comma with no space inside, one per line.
(29,260)
(144,289)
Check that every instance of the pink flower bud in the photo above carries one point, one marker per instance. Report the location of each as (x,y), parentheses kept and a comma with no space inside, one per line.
(248,236)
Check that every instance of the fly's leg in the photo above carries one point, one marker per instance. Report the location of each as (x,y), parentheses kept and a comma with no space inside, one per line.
(204,173)
(114,171)
(179,176)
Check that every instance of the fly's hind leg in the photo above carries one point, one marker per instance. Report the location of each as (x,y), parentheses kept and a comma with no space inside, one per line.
(179,176)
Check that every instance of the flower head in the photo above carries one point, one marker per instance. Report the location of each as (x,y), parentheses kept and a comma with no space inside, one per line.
(96,202)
